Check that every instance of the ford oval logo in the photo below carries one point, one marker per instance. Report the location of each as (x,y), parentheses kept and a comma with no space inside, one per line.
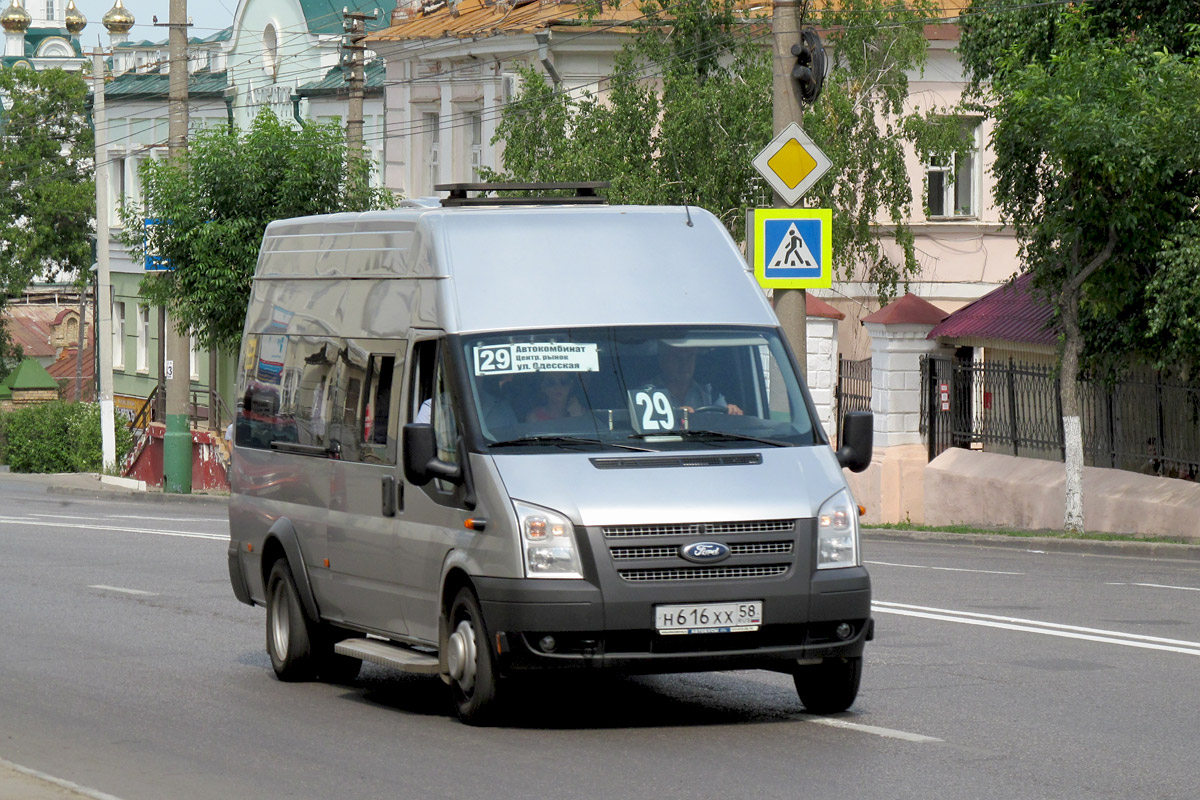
(705,552)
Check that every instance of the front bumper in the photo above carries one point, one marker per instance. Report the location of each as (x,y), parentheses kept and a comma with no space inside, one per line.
(593,630)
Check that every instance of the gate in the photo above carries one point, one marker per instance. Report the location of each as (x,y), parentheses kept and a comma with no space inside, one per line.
(853,392)
(937,424)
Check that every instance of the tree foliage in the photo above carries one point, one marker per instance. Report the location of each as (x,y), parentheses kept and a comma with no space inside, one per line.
(212,212)
(1095,139)
(47,197)
(689,105)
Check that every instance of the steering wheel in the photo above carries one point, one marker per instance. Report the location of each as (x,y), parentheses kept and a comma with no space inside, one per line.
(711,410)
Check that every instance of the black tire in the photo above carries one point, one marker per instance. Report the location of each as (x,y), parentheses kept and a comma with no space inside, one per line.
(829,687)
(472,666)
(289,635)
(330,666)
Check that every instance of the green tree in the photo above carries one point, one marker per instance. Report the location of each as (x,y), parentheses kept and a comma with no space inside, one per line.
(48,203)
(689,106)
(212,212)
(1097,151)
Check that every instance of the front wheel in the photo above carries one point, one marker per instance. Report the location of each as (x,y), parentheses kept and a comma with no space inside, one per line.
(289,640)
(829,687)
(469,661)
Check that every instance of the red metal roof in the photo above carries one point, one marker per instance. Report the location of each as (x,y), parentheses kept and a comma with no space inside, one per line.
(908,310)
(816,307)
(1011,313)
(30,326)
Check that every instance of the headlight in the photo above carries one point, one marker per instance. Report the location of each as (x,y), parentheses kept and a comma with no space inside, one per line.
(837,532)
(548,540)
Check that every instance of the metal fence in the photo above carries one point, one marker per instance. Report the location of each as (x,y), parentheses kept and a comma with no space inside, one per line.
(1141,422)
(853,392)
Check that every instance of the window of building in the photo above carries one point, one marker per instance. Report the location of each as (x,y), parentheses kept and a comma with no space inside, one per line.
(952,184)
(51,11)
(143,338)
(118,335)
(118,182)
(431,136)
(476,144)
(270,51)
(193,357)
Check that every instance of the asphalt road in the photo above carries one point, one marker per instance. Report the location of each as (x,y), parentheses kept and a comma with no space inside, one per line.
(128,668)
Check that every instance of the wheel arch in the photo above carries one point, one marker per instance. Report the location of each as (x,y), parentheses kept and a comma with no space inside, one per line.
(281,542)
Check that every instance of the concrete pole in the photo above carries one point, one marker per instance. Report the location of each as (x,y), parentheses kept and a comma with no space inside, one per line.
(785,31)
(177,444)
(104,376)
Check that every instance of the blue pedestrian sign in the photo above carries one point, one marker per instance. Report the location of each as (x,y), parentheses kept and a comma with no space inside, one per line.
(792,248)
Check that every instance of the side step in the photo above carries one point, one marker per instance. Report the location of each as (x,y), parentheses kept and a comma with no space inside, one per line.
(385,654)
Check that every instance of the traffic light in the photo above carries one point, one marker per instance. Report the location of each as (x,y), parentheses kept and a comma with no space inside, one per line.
(809,71)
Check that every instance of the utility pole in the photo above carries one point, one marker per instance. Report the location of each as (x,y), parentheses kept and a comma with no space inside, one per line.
(786,19)
(104,377)
(354,54)
(177,444)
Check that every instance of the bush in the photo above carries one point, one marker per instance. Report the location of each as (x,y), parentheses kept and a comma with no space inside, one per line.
(59,437)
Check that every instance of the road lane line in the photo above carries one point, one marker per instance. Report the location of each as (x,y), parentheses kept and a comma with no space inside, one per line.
(945,569)
(1044,628)
(76,526)
(1158,586)
(872,729)
(104,588)
(68,785)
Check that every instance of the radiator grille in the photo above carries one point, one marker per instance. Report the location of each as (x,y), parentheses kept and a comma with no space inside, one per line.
(672,551)
(701,528)
(704,573)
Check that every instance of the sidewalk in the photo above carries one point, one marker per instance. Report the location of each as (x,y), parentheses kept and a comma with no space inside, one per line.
(22,783)
(91,484)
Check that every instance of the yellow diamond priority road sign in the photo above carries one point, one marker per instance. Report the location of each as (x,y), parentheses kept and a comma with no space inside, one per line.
(792,163)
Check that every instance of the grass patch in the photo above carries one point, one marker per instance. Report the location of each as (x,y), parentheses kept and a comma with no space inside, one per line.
(1044,534)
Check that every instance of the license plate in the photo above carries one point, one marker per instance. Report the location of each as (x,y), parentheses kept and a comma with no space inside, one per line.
(737,617)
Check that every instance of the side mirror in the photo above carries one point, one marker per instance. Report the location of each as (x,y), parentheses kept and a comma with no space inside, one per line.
(858,440)
(421,463)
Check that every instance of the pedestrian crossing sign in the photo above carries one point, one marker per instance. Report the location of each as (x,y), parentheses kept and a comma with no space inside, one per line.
(792,248)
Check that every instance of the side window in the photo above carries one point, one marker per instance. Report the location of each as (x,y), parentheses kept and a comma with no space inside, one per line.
(445,428)
(266,414)
(380,419)
(345,402)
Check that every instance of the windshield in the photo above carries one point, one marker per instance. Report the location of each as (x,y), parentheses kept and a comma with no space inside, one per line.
(651,387)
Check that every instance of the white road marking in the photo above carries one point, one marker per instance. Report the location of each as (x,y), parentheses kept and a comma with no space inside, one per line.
(70,786)
(104,588)
(1045,628)
(132,516)
(1158,586)
(945,569)
(872,729)
(76,526)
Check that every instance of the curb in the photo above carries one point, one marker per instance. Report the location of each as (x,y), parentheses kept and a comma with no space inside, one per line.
(1048,544)
(152,496)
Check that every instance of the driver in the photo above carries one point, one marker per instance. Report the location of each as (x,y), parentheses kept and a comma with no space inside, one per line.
(677,365)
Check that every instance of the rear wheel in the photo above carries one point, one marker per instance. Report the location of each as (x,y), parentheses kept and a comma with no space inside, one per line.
(829,687)
(289,641)
(469,660)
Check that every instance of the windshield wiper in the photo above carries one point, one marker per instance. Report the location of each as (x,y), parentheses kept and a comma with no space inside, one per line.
(711,436)
(564,440)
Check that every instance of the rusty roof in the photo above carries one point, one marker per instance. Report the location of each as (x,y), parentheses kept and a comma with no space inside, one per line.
(438,19)
(1012,313)
(30,326)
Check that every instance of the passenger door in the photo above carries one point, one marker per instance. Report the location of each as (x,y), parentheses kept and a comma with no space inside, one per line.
(431,523)
(364,424)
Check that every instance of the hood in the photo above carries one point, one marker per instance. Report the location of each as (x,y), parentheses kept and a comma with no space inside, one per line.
(788,483)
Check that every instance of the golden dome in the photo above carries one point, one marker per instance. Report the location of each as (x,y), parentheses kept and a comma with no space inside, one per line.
(76,21)
(118,20)
(15,19)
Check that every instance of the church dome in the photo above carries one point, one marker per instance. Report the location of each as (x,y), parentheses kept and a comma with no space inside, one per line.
(76,21)
(15,19)
(118,19)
